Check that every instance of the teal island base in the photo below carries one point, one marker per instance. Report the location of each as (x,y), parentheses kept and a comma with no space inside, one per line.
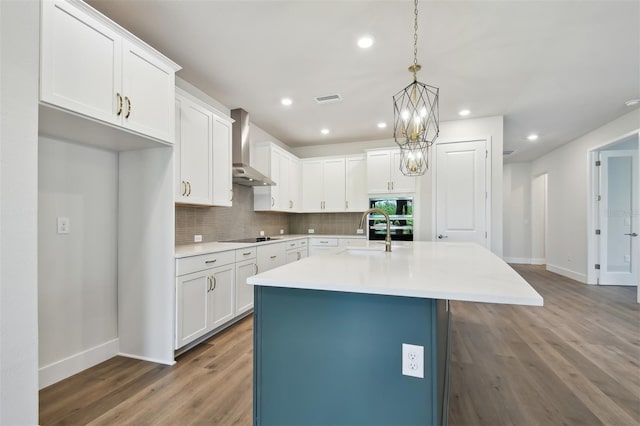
(335,358)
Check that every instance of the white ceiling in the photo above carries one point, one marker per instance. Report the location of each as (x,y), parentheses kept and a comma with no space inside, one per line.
(557,68)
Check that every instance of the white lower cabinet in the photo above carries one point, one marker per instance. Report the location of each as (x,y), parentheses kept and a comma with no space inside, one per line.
(271,256)
(296,250)
(246,266)
(204,295)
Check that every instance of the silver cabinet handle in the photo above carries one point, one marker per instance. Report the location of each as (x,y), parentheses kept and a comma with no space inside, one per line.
(213,277)
(208,284)
(273,257)
(392,185)
(290,204)
(256,265)
(442,236)
(633,234)
(246,253)
(292,245)
(324,242)
(273,201)
(211,261)
(184,186)
(388,186)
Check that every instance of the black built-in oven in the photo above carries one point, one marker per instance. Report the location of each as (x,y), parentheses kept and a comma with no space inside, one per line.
(400,211)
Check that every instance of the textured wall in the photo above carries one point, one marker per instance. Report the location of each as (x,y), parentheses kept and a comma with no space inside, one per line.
(240,221)
(225,223)
(325,223)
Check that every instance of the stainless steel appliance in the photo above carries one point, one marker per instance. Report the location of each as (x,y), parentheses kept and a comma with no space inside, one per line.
(400,211)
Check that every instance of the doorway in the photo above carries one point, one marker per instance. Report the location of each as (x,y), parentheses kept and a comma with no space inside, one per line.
(616,196)
(539,220)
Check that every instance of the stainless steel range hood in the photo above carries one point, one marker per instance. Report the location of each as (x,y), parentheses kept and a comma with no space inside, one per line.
(243,173)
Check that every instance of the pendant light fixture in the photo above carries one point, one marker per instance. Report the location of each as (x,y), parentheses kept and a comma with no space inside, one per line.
(415,117)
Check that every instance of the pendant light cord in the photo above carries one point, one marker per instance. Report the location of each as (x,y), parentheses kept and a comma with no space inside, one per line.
(415,41)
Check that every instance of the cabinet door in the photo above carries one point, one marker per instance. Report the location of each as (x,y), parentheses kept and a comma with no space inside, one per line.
(148,86)
(194,153)
(271,256)
(276,202)
(192,312)
(356,184)
(312,186)
(221,295)
(222,184)
(378,164)
(334,185)
(244,291)
(284,184)
(295,179)
(81,63)
(400,182)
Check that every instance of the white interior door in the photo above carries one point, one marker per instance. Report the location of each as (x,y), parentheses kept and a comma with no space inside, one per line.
(618,225)
(461,192)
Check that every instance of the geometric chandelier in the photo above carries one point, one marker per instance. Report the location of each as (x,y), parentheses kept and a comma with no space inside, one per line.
(415,117)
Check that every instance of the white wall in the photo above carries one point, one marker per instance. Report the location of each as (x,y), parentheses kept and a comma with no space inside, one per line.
(568,195)
(450,131)
(517,212)
(19,48)
(77,286)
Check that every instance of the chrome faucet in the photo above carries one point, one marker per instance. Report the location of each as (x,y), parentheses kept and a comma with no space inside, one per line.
(387,239)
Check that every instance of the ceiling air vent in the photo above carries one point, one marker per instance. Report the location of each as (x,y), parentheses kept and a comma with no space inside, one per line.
(509,152)
(329,99)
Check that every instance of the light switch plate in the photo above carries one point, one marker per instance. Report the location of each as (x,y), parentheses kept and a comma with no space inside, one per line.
(359,231)
(311,230)
(413,360)
(197,238)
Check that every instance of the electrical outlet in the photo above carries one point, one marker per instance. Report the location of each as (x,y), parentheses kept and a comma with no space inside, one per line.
(413,360)
(311,231)
(197,238)
(262,233)
(282,232)
(64,226)
(360,231)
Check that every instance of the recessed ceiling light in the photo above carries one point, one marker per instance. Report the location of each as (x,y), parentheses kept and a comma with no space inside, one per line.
(382,125)
(286,101)
(532,137)
(632,102)
(324,131)
(365,42)
(464,112)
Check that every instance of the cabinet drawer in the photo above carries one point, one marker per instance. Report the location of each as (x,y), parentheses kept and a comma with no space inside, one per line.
(188,265)
(324,242)
(292,245)
(245,254)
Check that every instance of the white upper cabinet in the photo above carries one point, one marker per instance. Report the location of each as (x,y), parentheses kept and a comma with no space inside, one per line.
(323,185)
(357,199)
(93,67)
(202,154)
(283,168)
(384,175)
(193,152)
(222,183)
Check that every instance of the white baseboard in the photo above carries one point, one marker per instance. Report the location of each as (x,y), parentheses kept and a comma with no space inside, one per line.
(538,261)
(142,358)
(59,370)
(524,260)
(567,273)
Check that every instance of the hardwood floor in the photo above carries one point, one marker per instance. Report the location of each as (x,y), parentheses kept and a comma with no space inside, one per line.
(575,361)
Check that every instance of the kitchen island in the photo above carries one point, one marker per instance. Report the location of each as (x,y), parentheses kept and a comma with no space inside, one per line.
(329,331)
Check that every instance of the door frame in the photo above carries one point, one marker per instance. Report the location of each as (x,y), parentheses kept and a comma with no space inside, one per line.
(593,212)
(487,183)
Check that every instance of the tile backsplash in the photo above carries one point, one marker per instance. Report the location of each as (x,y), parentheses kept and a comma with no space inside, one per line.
(240,221)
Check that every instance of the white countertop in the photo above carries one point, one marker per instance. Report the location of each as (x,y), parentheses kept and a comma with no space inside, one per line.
(434,270)
(188,250)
